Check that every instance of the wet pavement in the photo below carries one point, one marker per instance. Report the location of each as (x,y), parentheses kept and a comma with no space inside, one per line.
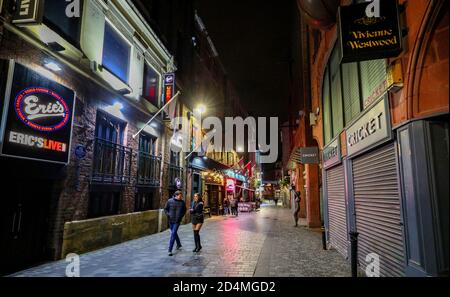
(262,243)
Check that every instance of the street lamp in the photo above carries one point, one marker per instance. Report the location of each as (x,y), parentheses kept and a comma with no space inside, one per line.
(201,109)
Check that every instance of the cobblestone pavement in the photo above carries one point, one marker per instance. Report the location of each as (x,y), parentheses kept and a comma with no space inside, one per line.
(262,243)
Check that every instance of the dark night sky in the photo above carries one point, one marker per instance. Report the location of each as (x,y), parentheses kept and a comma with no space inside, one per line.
(253,39)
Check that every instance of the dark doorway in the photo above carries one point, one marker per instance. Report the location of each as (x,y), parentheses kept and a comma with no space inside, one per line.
(24,224)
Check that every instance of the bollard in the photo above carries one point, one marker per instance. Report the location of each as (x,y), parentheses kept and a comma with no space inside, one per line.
(324,238)
(354,253)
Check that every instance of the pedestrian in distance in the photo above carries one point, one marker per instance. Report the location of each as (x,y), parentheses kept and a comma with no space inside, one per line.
(233,206)
(275,200)
(226,206)
(197,219)
(175,210)
(296,207)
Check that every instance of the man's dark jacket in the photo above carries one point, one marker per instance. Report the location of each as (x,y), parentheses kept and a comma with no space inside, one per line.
(175,210)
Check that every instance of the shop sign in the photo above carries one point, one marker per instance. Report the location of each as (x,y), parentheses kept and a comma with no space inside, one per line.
(369,31)
(169,86)
(332,153)
(28,12)
(309,155)
(230,185)
(372,128)
(38,121)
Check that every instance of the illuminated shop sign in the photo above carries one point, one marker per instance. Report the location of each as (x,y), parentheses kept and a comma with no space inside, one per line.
(169,86)
(39,113)
(369,31)
(230,185)
(42,109)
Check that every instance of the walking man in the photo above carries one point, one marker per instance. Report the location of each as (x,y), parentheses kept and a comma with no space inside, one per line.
(296,207)
(175,210)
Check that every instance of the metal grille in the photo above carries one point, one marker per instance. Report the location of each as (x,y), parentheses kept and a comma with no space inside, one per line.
(377,205)
(337,218)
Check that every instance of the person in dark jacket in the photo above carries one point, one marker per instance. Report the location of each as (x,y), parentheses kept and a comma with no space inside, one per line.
(197,219)
(175,210)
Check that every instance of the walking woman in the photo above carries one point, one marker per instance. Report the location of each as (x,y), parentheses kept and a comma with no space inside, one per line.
(197,220)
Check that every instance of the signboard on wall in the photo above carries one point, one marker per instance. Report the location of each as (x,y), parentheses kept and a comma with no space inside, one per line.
(372,128)
(369,31)
(169,92)
(28,12)
(39,115)
(332,153)
(230,185)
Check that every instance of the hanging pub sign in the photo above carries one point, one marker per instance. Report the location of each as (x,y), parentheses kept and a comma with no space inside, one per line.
(169,92)
(28,12)
(309,155)
(369,31)
(38,121)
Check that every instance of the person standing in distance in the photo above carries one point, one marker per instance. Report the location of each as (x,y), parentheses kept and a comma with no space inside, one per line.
(175,210)
(197,219)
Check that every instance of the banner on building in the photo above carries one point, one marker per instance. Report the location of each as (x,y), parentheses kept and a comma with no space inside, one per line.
(369,31)
(38,117)
(28,12)
(309,155)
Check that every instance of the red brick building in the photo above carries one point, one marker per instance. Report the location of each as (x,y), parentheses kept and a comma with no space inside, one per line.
(391,191)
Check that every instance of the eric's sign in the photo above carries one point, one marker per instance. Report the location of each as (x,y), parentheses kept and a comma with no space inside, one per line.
(39,118)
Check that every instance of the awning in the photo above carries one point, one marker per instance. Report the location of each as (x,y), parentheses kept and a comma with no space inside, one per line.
(200,163)
(295,156)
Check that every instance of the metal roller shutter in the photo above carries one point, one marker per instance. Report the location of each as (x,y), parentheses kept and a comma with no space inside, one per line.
(377,205)
(337,210)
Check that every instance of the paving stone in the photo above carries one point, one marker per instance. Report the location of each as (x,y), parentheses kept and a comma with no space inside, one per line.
(262,243)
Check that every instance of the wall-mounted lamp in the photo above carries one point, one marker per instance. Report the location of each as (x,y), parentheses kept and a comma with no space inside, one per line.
(52,66)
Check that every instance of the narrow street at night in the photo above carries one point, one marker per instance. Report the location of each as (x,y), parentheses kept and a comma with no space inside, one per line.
(260,244)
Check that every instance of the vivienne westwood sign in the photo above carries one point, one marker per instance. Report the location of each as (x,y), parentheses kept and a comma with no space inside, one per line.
(39,112)
(369,31)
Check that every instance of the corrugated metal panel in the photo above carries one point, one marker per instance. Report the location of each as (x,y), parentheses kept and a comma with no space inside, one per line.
(337,209)
(377,205)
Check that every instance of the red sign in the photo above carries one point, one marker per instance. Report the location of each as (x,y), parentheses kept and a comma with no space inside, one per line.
(41,109)
(230,185)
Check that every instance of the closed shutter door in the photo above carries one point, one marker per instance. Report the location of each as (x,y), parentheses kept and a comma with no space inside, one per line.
(337,218)
(377,205)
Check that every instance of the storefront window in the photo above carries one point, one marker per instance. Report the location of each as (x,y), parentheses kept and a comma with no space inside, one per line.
(350,90)
(345,89)
(373,73)
(151,85)
(116,53)
(326,107)
(55,17)
(336,93)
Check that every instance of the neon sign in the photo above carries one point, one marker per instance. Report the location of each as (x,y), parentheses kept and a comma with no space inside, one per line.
(41,109)
(230,185)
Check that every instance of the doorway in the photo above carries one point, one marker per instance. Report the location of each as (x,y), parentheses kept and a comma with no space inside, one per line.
(24,225)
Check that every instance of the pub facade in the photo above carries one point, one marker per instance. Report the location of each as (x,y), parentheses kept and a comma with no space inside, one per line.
(75,93)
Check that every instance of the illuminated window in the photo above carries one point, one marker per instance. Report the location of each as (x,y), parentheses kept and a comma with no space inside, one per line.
(151,85)
(116,53)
